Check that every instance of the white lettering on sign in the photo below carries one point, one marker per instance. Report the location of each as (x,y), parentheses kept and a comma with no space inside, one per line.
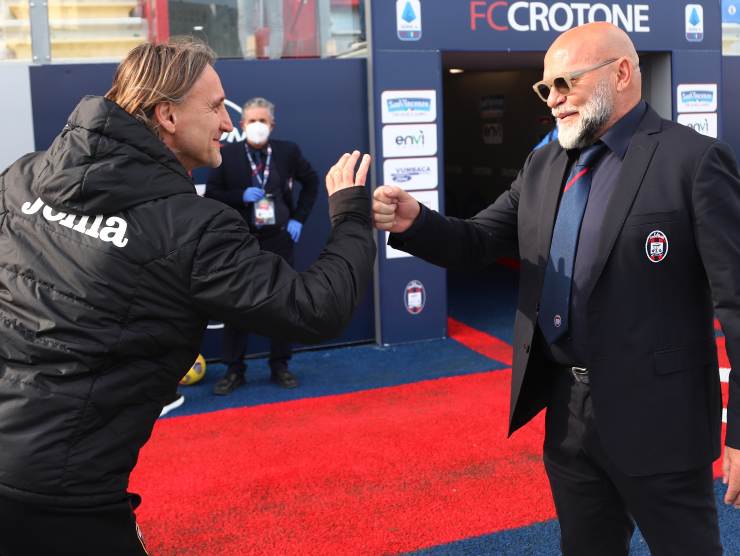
(500,15)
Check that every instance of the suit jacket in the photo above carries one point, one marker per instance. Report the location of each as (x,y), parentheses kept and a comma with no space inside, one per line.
(228,182)
(651,349)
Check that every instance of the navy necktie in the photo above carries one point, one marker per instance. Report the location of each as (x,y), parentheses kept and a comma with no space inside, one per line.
(556,288)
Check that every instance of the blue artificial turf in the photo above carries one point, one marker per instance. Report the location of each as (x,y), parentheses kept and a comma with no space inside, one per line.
(485,300)
(542,539)
(338,371)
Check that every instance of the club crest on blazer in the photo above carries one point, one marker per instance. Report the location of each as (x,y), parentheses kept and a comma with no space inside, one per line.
(656,246)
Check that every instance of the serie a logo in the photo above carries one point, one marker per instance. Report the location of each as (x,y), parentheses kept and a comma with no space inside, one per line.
(114,230)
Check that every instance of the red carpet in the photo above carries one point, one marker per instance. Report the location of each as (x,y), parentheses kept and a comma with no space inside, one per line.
(379,471)
(483,343)
(376,472)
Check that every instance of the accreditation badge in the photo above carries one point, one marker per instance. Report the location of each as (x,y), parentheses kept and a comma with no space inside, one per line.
(264,211)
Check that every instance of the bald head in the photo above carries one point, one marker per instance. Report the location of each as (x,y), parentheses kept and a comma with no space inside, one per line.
(605,82)
(591,43)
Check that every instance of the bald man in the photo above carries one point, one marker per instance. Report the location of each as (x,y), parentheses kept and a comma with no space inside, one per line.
(626,228)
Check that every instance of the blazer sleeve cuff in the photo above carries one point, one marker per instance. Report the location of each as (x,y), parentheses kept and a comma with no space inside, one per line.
(398,240)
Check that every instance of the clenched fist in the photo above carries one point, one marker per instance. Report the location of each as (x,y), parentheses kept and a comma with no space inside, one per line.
(394,210)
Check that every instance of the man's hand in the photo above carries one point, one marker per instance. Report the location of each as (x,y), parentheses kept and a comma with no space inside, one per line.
(341,176)
(294,229)
(394,210)
(731,476)
(252,194)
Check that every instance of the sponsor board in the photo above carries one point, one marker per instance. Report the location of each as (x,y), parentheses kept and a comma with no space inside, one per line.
(491,107)
(409,140)
(411,173)
(408,20)
(429,199)
(706,124)
(696,97)
(399,107)
(492,133)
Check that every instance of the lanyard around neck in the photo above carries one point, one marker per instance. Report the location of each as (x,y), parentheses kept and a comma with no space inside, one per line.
(261,180)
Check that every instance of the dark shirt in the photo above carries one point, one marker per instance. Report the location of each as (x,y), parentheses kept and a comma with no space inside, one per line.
(572,348)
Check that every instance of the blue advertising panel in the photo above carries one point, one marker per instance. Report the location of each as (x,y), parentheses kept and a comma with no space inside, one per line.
(411,298)
(320,104)
(500,25)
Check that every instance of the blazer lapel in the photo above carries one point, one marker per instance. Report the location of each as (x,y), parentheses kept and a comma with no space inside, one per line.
(549,206)
(635,165)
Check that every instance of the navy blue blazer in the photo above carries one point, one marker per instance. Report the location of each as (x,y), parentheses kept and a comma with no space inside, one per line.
(651,348)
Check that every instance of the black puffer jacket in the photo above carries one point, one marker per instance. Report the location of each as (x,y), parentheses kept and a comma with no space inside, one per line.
(101,315)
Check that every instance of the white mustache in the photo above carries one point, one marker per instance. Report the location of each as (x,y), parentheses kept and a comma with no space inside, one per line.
(556,113)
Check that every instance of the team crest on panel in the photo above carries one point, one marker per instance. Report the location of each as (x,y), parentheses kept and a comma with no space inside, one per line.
(414,297)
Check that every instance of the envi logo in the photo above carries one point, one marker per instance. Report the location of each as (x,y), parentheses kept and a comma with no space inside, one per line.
(499,15)
(409,140)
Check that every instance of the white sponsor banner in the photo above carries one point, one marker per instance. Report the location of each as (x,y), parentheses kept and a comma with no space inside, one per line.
(411,173)
(398,107)
(696,97)
(409,140)
(429,199)
(706,124)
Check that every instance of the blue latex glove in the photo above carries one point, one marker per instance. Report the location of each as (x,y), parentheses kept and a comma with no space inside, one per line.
(253,194)
(294,229)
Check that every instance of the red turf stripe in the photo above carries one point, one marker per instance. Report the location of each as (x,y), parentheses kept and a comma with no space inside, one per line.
(483,343)
(381,471)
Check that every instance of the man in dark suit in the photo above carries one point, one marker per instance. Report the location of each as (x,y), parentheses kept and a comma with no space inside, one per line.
(627,232)
(256,178)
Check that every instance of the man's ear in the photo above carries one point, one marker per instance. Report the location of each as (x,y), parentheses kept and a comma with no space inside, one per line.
(624,74)
(165,116)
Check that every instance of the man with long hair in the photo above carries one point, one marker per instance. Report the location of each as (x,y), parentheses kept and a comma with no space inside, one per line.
(111,267)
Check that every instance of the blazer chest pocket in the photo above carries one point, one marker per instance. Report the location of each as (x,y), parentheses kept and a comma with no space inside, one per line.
(680,360)
(650,218)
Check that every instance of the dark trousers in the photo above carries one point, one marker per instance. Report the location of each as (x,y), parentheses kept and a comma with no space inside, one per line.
(235,340)
(30,530)
(598,506)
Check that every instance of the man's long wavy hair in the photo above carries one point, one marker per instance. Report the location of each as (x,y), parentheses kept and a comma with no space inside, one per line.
(154,73)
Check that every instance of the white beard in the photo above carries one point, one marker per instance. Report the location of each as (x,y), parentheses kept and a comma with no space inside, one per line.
(592,117)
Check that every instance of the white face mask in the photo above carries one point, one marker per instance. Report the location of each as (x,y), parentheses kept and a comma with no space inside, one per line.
(257,132)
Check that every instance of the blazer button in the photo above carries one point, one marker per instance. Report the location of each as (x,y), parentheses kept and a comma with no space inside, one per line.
(526,348)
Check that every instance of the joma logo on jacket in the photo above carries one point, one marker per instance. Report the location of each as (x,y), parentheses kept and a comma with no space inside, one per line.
(113,232)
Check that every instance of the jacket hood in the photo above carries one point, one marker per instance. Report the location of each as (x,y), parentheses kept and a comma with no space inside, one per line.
(105,161)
